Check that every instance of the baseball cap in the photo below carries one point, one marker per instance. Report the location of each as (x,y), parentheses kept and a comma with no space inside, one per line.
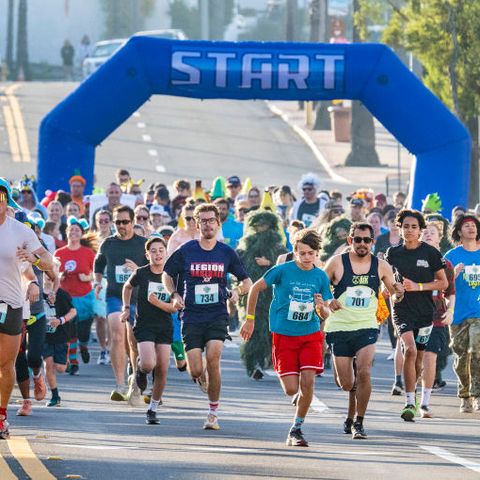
(11,202)
(233,181)
(156,209)
(166,230)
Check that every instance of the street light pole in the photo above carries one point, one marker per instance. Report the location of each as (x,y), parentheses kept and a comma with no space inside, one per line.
(204,19)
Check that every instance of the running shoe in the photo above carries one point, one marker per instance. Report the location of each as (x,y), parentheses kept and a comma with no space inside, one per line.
(438,385)
(152,418)
(54,402)
(425,412)
(211,423)
(296,439)
(26,409)
(358,432)
(39,387)
(466,405)
(391,356)
(74,368)
(397,389)
(257,374)
(134,397)
(295,399)
(4,432)
(85,354)
(408,413)
(118,395)
(347,426)
(141,379)
(202,383)
(102,358)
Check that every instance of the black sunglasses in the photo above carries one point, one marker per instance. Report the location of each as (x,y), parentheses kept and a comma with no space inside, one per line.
(141,217)
(307,189)
(122,222)
(366,240)
(188,219)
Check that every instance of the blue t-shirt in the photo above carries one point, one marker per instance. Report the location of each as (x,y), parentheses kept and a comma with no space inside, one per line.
(232,232)
(204,276)
(467,284)
(292,310)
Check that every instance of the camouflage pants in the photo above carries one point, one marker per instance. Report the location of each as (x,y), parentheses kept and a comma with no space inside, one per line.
(465,343)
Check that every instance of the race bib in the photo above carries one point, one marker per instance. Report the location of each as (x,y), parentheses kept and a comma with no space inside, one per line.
(308,219)
(358,297)
(122,274)
(424,335)
(300,311)
(472,273)
(159,290)
(50,314)
(206,294)
(3,312)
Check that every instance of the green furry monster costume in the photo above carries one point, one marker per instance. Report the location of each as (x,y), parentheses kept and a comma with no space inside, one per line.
(261,239)
(335,235)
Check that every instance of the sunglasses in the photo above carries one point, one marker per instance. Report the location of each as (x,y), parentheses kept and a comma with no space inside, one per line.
(243,210)
(338,210)
(141,217)
(365,240)
(122,222)
(26,191)
(307,189)
(3,197)
(103,221)
(189,219)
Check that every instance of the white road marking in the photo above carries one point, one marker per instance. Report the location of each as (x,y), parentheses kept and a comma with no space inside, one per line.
(451,457)
(136,114)
(141,125)
(160,168)
(146,138)
(152,152)
(230,345)
(92,447)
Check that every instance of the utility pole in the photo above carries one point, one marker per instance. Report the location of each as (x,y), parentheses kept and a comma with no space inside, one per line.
(9,52)
(204,20)
(292,7)
(22,42)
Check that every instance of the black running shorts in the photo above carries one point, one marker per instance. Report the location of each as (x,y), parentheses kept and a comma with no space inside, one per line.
(197,335)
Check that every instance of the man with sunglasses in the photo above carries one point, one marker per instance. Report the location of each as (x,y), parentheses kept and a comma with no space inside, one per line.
(203,266)
(420,267)
(352,328)
(121,254)
(19,245)
(310,205)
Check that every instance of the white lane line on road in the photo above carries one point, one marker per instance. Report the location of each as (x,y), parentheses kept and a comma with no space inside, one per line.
(136,114)
(160,168)
(146,138)
(310,143)
(152,152)
(141,125)
(93,447)
(451,457)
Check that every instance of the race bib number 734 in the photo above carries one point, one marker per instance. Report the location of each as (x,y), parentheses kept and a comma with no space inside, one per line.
(206,294)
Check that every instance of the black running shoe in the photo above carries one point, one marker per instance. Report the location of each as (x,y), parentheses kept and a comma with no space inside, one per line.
(85,355)
(152,418)
(296,439)
(439,385)
(347,426)
(141,379)
(74,368)
(257,374)
(358,433)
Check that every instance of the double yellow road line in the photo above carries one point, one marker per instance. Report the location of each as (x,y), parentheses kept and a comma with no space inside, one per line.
(17,135)
(30,463)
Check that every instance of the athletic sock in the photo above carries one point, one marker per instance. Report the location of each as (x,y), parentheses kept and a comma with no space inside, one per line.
(55,393)
(72,351)
(297,423)
(398,379)
(359,420)
(426,392)
(213,407)
(410,398)
(154,405)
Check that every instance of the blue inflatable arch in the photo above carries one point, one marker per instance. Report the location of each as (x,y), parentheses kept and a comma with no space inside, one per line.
(371,73)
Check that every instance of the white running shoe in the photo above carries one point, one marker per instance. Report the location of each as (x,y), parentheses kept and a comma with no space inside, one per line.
(211,423)
(134,397)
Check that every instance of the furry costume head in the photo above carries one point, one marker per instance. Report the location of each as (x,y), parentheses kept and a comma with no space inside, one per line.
(335,235)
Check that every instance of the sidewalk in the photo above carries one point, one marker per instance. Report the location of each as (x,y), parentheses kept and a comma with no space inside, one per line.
(332,154)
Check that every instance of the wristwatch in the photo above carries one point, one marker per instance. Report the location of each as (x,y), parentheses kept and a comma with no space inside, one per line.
(126,307)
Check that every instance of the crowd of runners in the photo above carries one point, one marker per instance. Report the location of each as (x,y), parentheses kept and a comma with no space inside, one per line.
(307,276)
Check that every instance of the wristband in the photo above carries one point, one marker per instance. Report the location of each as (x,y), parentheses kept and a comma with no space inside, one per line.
(126,307)
(34,282)
(250,317)
(36,263)
(421,286)
(62,320)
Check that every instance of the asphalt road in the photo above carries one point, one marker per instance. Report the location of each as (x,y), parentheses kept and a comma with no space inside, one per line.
(95,438)
(171,138)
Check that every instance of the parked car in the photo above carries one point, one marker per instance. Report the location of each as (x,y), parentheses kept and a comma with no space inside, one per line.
(171,33)
(102,51)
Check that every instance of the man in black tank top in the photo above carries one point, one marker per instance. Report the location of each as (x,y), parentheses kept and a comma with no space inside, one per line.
(352,328)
